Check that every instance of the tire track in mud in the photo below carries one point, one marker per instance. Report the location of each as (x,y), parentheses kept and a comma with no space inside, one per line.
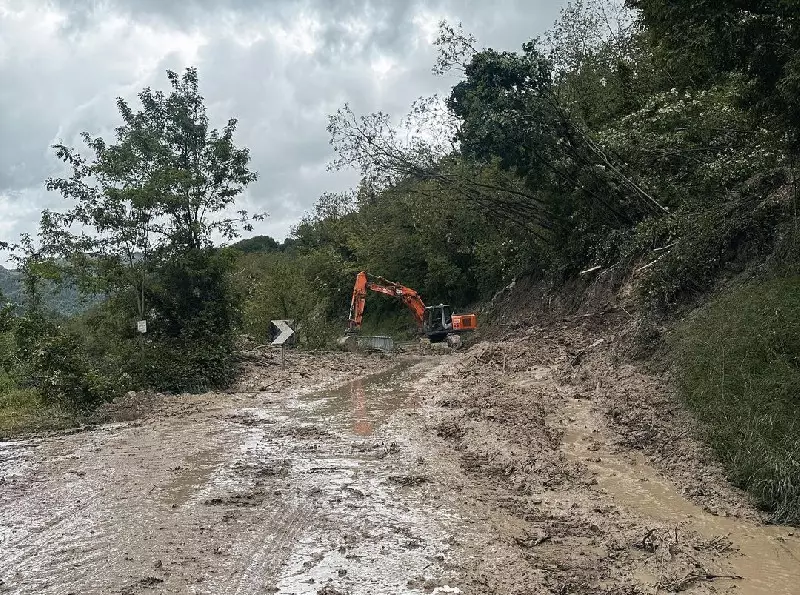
(198,503)
(269,549)
(348,482)
(768,560)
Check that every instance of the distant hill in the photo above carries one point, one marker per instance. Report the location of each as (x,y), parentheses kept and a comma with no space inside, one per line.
(66,301)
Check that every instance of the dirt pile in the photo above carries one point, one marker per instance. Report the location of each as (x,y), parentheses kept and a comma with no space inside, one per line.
(593,475)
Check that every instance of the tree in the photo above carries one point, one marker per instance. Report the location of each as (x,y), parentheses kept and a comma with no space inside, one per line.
(154,197)
(161,186)
(699,44)
(511,113)
(422,148)
(257,244)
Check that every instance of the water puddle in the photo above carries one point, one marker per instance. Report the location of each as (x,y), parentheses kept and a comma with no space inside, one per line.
(190,476)
(362,405)
(367,538)
(769,556)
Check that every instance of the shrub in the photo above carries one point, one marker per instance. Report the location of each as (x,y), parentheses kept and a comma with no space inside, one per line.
(738,366)
(53,360)
(195,313)
(698,245)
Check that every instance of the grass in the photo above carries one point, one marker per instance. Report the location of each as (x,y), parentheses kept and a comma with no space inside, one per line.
(738,367)
(22,412)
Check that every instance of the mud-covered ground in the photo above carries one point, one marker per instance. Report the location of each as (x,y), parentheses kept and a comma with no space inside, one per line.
(535,464)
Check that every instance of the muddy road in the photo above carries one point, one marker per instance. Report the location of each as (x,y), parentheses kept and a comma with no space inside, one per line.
(537,463)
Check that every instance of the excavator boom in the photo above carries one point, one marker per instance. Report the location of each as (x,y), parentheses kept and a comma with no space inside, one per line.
(380,285)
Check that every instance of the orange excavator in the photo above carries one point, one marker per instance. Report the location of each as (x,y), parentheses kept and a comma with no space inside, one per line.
(436,322)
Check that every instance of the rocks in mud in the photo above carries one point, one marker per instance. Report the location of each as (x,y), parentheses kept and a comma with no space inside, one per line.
(532,540)
(409,480)
(151,581)
(450,429)
(271,468)
(248,420)
(241,500)
(303,432)
(379,450)
(148,581)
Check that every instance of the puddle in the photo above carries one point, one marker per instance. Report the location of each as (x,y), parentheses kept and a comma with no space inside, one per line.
(354,532)
(192,474)
(769,556)
(363,404)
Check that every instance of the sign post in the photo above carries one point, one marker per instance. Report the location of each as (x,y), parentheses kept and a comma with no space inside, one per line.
(282,333)
(141,329)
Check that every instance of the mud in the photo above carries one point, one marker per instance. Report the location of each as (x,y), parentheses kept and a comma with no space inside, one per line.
(534,464)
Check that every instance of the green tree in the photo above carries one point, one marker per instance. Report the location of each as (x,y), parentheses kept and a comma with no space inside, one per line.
(699,44)
(257,244)
(159,187)
(143,211)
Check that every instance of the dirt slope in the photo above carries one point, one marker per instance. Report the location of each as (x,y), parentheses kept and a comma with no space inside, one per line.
(534,464)
(594,476)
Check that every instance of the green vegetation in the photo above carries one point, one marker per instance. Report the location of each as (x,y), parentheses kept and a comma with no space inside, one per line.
(739,368)
(135,236)
(22,410)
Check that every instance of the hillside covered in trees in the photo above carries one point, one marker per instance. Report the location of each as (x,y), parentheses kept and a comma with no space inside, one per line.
(649,145)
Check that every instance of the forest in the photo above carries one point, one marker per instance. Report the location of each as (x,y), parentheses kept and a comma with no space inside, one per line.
(648,145)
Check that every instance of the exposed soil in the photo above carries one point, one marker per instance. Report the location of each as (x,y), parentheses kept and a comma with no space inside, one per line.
(537,463)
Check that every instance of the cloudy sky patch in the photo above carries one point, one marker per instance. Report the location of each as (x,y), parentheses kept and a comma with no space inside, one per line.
(279,66)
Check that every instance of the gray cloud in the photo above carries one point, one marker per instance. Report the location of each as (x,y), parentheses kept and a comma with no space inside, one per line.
(279,66)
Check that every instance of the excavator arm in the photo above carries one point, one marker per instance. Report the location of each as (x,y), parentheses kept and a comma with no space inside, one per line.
(380,285)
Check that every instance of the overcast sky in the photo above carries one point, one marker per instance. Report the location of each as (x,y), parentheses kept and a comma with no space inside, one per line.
(279,66)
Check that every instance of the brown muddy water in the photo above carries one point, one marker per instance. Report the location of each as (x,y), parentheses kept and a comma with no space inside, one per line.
(766,559)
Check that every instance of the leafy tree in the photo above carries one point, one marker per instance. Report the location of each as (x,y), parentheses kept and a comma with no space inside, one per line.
(601,61)
(699,44)
(257,244)
(509,109)
(159,188)
(145,208)
(297,286)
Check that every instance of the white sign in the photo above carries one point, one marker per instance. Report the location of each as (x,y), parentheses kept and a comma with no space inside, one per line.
(283,331)
(141,326)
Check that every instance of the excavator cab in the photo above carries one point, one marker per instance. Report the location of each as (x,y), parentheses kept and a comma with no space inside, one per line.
(438,322)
